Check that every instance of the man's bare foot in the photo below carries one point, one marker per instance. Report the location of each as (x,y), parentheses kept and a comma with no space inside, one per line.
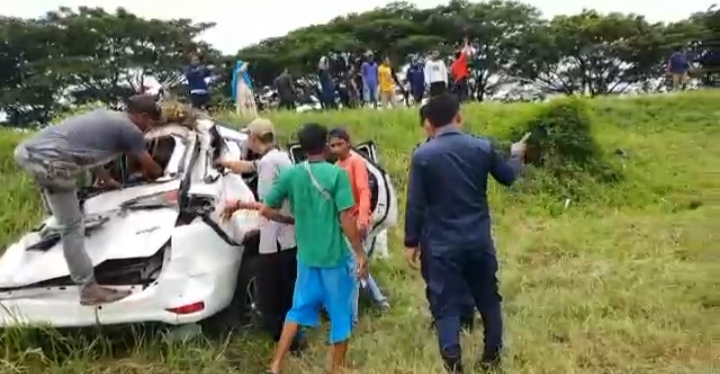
(95,294)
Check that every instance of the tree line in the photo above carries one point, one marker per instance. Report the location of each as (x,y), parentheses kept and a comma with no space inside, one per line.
(74,56)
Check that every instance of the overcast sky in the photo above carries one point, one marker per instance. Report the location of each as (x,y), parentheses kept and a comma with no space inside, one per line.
(244,22)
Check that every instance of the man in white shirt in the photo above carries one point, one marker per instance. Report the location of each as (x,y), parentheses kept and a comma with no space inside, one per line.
(277,248)
(436,74)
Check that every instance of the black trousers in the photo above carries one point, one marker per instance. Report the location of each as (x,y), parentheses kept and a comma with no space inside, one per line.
(437,88)
(276,286)
(453,275)
(417,93)
(461,89)
(200,101)
(467,306)
(288,104)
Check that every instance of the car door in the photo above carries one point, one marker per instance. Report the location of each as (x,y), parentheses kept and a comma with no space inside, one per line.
(383,199)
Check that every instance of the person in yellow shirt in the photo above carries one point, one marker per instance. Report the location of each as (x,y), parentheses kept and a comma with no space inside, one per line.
(386,83)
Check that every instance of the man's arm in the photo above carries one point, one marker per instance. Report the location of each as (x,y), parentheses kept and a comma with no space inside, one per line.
(274,198)
(426,73)
(416,203)
(362,180)
(445,72)
(237,166)
(275,215)
(395,78)
(504,171)
(363,73)
(343,198)
(132,143)
(150,169)
(293,89)
(103,175)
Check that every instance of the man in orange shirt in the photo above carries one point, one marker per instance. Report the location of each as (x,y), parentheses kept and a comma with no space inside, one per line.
(355,166)
(460,73)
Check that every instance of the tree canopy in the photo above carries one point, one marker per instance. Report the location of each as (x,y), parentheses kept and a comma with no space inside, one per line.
(74,56)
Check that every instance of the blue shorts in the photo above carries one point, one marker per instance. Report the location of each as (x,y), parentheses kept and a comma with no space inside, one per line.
(332,288)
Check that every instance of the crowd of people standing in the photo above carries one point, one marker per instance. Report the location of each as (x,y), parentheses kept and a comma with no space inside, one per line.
(345,81)
(376,83)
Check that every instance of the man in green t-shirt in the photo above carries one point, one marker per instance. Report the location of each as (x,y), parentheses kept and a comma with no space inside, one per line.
(321,201)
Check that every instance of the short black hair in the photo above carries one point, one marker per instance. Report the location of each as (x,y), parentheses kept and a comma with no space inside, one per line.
(144,104)
(423,114)
(340,133)
(442,109)
(313,138)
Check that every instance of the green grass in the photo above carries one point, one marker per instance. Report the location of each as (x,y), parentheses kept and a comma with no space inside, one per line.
(625,280)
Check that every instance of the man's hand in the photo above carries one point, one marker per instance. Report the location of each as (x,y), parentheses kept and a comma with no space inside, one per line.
(412,255)
(363,230)
(105,180)
(250,205)
(361,263)
(520,148)
(111,184)
(150,169)
(236,166)
(230,208)
(274,215)
(234,206)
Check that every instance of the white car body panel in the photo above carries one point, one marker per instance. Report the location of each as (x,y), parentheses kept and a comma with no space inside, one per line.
(141,240)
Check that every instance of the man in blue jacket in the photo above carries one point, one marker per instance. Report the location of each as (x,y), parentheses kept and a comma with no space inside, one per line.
(196,74)
(447,215)
(467,306)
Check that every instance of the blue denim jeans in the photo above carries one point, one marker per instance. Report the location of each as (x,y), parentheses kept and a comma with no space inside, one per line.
(370,286)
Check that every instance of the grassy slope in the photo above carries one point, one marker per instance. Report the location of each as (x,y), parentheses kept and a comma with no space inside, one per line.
(618,284)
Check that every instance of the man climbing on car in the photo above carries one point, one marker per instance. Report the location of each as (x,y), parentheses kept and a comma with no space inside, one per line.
(58,155)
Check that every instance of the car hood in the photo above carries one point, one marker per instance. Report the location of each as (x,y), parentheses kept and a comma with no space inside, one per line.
(111,234)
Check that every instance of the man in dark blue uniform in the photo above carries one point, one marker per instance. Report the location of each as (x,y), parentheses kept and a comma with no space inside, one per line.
(467,306)
(447,215)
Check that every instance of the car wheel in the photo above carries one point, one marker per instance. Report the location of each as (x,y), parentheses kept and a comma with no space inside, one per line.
(243,310)
(246,293)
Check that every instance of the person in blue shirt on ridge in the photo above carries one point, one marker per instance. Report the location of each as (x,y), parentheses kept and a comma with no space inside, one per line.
(196,74)
(416,77)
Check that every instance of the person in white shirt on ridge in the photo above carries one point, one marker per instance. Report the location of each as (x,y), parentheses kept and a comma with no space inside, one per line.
(436,74)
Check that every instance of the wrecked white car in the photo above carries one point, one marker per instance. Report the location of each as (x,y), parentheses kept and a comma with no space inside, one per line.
(162,240)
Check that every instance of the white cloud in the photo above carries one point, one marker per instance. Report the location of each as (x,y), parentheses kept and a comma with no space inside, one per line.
(240,23)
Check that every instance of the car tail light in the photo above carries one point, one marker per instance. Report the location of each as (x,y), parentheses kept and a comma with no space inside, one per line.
(171,196)
(188,309)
